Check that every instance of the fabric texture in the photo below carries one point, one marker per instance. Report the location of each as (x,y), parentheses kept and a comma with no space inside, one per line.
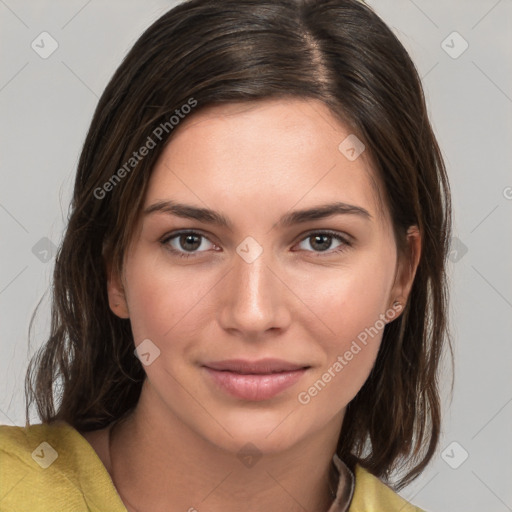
(49,468)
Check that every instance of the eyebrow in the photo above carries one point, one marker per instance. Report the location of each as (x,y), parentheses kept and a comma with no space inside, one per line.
(289,219)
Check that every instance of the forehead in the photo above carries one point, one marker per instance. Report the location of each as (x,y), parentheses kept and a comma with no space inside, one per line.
(275,153)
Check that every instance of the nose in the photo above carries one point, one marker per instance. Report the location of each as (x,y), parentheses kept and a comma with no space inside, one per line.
(255,299)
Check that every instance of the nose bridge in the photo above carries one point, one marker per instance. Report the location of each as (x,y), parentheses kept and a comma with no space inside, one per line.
(254,300)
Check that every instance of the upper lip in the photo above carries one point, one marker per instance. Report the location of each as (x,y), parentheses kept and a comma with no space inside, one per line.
(262,366)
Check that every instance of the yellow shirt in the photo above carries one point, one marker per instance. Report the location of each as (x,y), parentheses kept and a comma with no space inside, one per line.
(53,468)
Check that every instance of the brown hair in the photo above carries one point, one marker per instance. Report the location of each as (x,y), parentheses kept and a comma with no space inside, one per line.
(213,52)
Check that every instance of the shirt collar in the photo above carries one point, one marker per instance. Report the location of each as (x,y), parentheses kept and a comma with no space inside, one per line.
(346,484)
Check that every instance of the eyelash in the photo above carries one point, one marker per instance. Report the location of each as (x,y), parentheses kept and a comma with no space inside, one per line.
(345,243)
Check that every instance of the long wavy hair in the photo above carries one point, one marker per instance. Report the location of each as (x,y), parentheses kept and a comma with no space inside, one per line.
(216,52)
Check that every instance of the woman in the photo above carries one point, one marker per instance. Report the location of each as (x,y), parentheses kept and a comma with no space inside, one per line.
(250,298)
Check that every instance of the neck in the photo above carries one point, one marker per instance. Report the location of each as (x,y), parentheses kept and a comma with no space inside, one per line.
(164,465)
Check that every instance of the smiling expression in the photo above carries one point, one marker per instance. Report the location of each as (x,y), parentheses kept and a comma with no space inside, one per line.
(259,241)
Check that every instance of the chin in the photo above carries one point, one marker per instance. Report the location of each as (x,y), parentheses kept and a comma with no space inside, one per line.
(269,432)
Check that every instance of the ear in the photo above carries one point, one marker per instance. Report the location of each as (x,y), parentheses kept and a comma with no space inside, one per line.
(406,269)
(116,294)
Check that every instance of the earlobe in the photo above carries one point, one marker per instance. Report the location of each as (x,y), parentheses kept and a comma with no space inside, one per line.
(396,309)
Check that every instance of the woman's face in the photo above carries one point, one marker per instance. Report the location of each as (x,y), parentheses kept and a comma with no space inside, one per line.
(309,290)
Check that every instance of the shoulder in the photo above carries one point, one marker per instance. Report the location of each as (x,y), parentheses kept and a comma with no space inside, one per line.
(52,467)
(15,440)
(372,495)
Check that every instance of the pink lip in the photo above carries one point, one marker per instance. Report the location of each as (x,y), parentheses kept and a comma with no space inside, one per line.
(255,380)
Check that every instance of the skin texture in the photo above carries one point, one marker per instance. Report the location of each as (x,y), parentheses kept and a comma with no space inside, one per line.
(253,163)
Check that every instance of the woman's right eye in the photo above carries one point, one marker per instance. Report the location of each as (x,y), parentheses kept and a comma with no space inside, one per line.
(186,243)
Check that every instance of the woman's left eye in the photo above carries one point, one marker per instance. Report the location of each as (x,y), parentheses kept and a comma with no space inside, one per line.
(322,242)
(188,243)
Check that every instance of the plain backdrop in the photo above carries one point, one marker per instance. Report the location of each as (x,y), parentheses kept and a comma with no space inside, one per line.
(463,53)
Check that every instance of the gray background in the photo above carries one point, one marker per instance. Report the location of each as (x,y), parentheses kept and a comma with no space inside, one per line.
(47,104)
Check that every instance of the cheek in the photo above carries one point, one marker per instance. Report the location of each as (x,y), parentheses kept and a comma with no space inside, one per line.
(349,329)
(164,303)
(347,299)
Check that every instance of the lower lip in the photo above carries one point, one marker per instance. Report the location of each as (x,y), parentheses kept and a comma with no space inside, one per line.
(255,387)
